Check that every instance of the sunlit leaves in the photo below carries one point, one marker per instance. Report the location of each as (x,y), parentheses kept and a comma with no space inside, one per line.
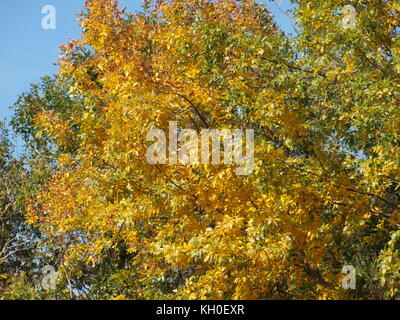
(324,187)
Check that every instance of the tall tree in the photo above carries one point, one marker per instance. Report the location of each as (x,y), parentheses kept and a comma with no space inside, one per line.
(323,193)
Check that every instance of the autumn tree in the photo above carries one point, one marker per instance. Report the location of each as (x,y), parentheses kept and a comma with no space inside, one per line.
(354,99)
(21,270)
(323,193)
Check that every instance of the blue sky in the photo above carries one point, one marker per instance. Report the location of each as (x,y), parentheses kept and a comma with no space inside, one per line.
(28,51)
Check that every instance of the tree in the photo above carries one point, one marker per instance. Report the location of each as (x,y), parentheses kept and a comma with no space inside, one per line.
(17,238)
(323,193)
(355,97)
(23,275)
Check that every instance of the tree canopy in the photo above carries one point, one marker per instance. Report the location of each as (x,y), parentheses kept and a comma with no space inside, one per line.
(324,193)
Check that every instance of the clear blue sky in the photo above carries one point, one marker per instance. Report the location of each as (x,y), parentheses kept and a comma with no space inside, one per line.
(28,51)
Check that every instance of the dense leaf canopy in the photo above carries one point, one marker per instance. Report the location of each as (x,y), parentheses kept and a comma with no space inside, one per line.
(325,109)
